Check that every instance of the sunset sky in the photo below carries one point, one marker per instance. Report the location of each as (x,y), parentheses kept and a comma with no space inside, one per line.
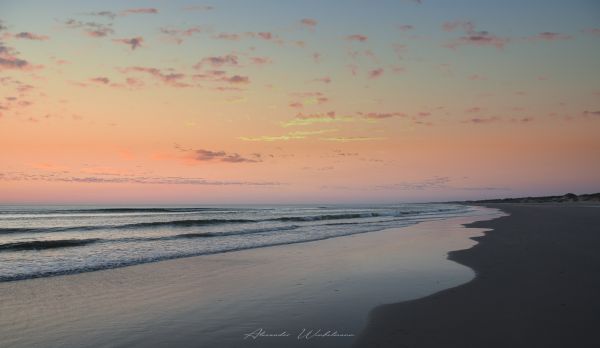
(297,101)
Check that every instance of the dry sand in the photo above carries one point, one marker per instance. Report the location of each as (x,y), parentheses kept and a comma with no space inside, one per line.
(537,285)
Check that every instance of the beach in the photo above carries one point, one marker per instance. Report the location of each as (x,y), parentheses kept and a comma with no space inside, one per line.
(312,294)
(537,285)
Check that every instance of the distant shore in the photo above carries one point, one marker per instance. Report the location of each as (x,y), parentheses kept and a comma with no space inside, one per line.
(537,285)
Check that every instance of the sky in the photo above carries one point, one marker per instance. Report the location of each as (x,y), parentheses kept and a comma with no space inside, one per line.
(358,101)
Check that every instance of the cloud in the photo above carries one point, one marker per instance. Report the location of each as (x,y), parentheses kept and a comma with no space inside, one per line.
(222,156)
(260,60)
(9,60)
(13,63)
(373,74)
(143,10)
(466,26)
(265,35)
(91,29)
(31,36)
(199,8)
(221,76)
(474,109)
(218,61)
(178,35)
(472,36)
(309,22)
(134,42)
(237,79)
(316,56)
(522,120)
(133,82)
(308,119)
(548,36)
(352,139)
(170,78)
(102,80)
(289,136)
(482,120)
(325,79)
(592,31)
(309,98)
(591,113)
(381,115)
(127,179)
(107,14)
(228,36)
(357,37)
(405,27)
(481,38)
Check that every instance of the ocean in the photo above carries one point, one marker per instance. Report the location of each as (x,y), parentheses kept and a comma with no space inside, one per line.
(42,241)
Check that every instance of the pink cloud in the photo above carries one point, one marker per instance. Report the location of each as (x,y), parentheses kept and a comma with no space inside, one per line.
(357,37)
(228,36)
(477,77)
(99,32)
(31,36)
(218,61)
(133,82)
(480,120)
(102,80)
(592,31)
(178,35)
(133,43)
(373,74)
(309,22)
(473,37)
(381,115)
(316,57)
(522,120)
(481,38)
(330,114)
(91,29)
(222,156)
(172,79)
(473,109)
(261,60)
(237,79)
(325,79)
(9,60)
(145,10)
(13,63)
(200,8)
(548,36)
(265,35)
(465,26)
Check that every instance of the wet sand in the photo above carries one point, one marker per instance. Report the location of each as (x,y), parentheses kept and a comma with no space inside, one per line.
(215,300)
(537,285)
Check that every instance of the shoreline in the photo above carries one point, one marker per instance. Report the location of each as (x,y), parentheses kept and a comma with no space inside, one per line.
(216,299)
(536,285)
